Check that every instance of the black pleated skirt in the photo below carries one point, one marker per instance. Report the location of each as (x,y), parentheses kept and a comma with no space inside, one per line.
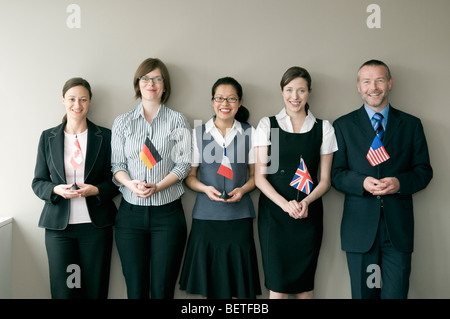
(220,260)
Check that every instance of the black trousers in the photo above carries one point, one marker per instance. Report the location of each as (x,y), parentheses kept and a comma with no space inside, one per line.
(79,259)
(382,272)
(151,235)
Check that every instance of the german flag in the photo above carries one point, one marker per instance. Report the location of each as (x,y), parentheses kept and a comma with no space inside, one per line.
(149,155)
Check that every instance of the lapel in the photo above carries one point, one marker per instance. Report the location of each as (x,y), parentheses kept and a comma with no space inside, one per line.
(94,144)
(362,121)
(393,124)
(56,144)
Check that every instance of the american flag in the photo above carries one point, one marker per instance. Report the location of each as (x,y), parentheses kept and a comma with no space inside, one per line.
(377,153)
(302,180)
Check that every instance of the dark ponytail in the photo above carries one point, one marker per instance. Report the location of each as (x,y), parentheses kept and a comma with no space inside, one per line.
(242,115)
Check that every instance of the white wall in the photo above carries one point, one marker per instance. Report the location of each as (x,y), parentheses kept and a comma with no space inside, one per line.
(254,41)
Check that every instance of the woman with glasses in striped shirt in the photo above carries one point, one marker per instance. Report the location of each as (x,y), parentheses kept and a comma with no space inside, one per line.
(150,224)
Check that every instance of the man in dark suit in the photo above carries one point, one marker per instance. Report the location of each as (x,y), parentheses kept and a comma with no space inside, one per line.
(377,226)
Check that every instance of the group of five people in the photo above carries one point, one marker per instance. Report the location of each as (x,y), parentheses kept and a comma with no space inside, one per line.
(220,259)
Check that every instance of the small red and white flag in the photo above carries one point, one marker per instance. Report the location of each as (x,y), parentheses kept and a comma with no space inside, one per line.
(225,167)
(76,155)
(377,153)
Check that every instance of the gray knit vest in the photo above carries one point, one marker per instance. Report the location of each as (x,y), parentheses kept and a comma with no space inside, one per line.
(210,160)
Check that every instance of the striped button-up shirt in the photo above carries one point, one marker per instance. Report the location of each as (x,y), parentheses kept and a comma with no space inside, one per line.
(170,133)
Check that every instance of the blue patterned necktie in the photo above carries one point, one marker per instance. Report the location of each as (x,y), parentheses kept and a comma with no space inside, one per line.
(378,127)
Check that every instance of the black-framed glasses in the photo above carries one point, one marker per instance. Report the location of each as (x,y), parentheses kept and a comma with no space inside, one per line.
(146,79)
(222,99)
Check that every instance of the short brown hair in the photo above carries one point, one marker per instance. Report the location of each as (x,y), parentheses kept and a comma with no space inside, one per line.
(147,66)
(376,63)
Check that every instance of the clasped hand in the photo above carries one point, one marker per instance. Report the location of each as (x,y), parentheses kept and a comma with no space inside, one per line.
(142,189)
(65,191)
(384,186)
(213,194)
(297,210)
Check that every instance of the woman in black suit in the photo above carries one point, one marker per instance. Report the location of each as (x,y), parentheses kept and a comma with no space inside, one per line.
(78,222)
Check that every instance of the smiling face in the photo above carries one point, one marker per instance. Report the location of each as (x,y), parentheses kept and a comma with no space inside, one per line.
(374,86)
(295,95)
(225,110)
(77,102)
(151,90)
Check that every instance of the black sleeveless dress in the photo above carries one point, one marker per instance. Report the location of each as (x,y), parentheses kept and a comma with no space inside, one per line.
(290,247)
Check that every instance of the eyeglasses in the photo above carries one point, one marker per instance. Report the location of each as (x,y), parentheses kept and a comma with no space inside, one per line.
(146,79)
(221,99)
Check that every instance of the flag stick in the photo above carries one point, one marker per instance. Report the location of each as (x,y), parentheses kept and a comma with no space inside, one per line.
(224,193)
(75,186)
(298,191)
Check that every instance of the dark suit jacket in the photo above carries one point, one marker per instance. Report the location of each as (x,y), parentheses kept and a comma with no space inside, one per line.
(405,142)
(50,172)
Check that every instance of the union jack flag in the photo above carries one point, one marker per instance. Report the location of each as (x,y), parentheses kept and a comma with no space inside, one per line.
(302,180)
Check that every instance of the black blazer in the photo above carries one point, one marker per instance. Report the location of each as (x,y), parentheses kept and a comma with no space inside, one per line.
(405,142)
(50,172)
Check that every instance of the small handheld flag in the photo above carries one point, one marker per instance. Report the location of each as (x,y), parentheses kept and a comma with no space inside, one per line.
(225,167)
(76,155)
(302,179)
(149,155)
(377,153)
(75,161)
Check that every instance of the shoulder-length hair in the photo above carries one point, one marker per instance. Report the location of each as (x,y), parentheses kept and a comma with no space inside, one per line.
(147,66)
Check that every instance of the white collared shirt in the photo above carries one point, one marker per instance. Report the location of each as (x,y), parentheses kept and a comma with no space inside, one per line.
(262,136)
(226,140)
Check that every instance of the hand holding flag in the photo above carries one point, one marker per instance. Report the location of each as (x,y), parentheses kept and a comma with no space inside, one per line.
(302,179)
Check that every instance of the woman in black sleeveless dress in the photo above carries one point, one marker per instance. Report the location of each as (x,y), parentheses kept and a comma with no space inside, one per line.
(290,220)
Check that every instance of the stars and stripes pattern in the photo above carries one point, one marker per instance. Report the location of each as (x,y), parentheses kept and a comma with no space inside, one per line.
(377,153)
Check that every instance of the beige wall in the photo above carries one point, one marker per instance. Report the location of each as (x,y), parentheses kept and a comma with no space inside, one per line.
(254,41)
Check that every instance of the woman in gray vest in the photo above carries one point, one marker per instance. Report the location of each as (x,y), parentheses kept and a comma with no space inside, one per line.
(220,260)
(290,208)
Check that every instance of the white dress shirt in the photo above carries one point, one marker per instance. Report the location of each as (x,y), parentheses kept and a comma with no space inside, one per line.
(262,136)
(211,128)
